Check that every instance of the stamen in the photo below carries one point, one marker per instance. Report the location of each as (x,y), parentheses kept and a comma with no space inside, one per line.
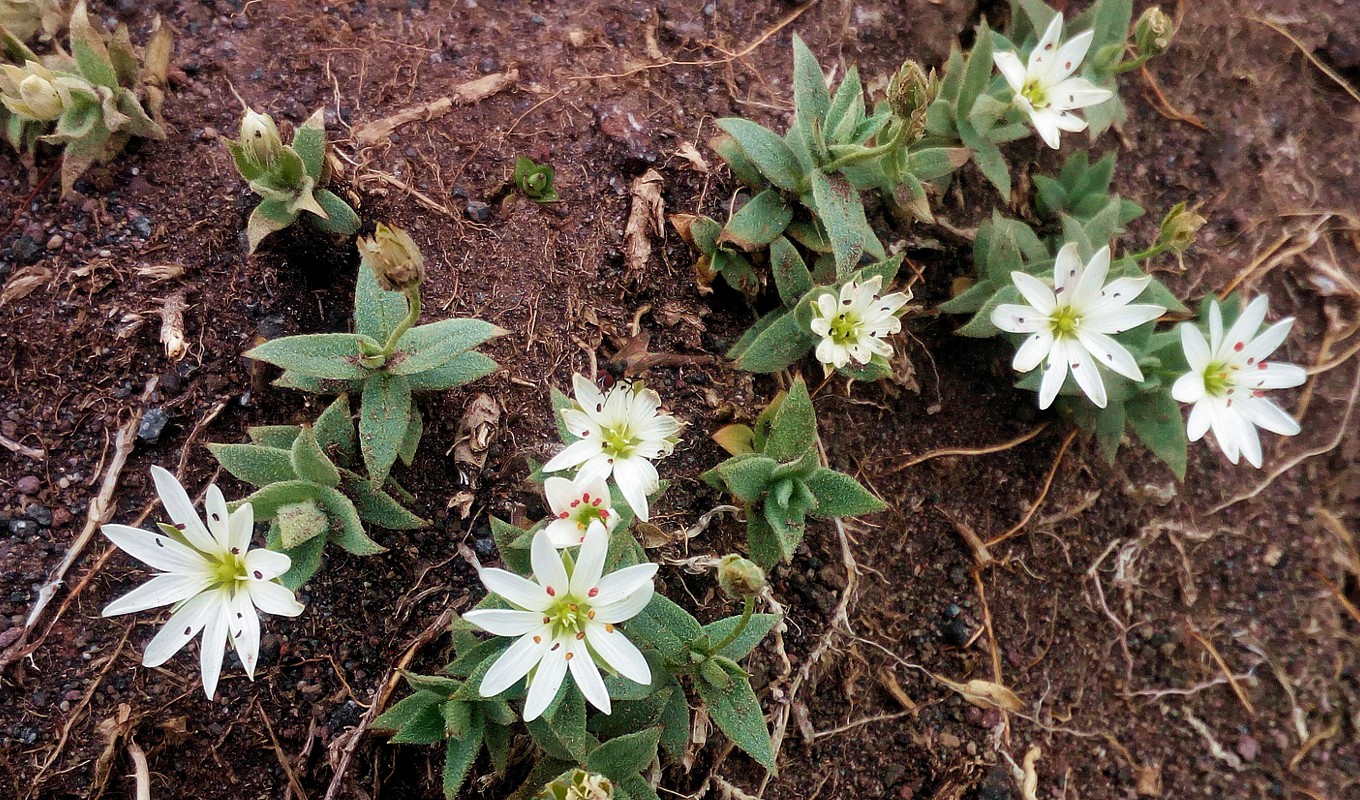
(593,592)
(568,656)
(608,628)
(552,592)
(538,639)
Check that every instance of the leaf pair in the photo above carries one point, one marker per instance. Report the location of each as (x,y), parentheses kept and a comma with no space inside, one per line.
(776,472)
(535,180)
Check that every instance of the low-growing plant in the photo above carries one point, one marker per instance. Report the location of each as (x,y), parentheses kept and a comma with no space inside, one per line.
(309,492)
(291,179)
(91,102)
(776,471)
(22,19)
(535,180)
(388,358)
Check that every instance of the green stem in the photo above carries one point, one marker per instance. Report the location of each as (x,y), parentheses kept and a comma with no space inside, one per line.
(866,153)
(1155,250)
(413,314)
(741,626)
(1130,65)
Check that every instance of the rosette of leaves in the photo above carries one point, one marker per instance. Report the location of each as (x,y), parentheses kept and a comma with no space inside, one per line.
(442,710)
(309,493)
(535,180)
(784,335)
(384,362)
(91,102)
(775,470)
(1082,190)
(1003,246)
(290,179)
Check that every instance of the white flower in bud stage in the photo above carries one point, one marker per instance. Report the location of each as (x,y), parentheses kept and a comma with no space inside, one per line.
(564,618)
(1229,376)
(577,506)
(852,324)
(1044,88)
(1071,324)
(620,433)
(210,576)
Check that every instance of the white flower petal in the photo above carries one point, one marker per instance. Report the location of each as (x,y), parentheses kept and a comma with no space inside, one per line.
(162,590)
(1014,318)
(1197,353)
(1215,326)
(1068,59)
(1088,377)
(182,626)
(1123,318)
(244,626)
(597,468)
(216,506)
(1046,124)
(505,622)
(1055,375)
(590,562)
(588,395)
(1267,342)
(1201,416)
(621,655)
(214,644)
(1087,290)
(546,681)
(1263,413)
(636,478)
(1224,423)
(549,571)
(1244,329)
(516,662)
(1077,93)
(559,492)
(580,424)
(1067,271)
(1066,121)
(577,452)
(623,584)
(1250,441)
(181,510)
(156,550)
(1032,353)
(1273,375)
(239,528)
(564,533)
(1189,388)
(587,675)
(1045,52)
(1118,292)
(519,591)
(1035,292)
(1111,354)
(1012,69)
(273,598)
(266,565)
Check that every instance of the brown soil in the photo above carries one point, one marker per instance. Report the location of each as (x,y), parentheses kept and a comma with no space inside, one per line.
(1108,613)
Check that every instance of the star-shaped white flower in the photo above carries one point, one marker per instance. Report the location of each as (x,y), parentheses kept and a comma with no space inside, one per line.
(852,324)
(1229,376)
(1044,88)
(1070,325)
(620,433)
(564,618)
(577,506)
(210,576)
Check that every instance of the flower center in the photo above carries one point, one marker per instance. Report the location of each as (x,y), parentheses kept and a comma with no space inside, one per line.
(1064,322)
(1217,382)
(845,328)
(586,510)
(568,617)
(229,569)
(1034,92)
(620,442)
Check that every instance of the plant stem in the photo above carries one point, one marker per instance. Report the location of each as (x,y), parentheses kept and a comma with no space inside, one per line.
(866,153)
(1131,64)
(413,305)
(741,626)
(1155,250)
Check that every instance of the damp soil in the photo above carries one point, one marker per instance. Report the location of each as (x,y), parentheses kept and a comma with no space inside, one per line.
(1116,613)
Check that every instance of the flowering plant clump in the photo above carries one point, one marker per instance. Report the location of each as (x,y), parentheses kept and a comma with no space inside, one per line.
(854,322)
(210,576)
(1044,89)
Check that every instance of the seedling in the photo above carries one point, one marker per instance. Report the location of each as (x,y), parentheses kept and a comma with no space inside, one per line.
(290,178)
(535,180)
(776,472)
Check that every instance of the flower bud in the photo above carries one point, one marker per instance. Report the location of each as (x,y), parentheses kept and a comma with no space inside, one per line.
(394,258)
(578,785)
(911,91)
(31,92)
(740,578)
(42,97)
(1179,227)
(301,522)
(260,138)
(1152,33)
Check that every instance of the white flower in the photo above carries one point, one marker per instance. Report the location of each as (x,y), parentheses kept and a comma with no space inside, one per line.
(1070,324)
(620,433)
(853,324)
(565,620)
(577,506)
(1044,89)
(1228,377)
(214,584)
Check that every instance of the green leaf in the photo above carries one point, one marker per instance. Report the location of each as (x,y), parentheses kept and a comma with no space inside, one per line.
(626,755)
(675,722)
(791,275)
(737,270)
(407,451)
(335,431)
(435,345)
(309,142)
(775,345)
(793,432)
(265,502)
(306,557)
(406,711)
(666,626)
(841,211)
(340,218)
(276,436)
(384,415)
(351,535)
(747,476)
(426,726)
(270,216)
(1156,419)
(839,495)
(439,684)
(759,222)
(463,369)
(459,755)
(988,158)
(379,508)
(254,464)
(506,536)
(753,634)
(497,741)
(92,57)
(317,355)
(566,719)
(977,71)
(766,151)
(742,167)
(377,312)
(767,547)
(310,462)
(737,713)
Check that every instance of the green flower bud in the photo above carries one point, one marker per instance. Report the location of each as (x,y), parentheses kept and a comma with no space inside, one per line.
(300,522)
(1153,32)
(578,785)
(739,578)
(910,93)
(260,138)
(1179,227)
(394,258)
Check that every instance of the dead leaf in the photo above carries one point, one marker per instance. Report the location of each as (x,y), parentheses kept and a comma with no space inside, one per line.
(113,729)
(463,94)
(172,326)
(128,325)
(23,283)
(1148,779)
(653,536)
(696,159)
(985,694)
(1029,784)
(161,272)
(888,681)
(644,219)
(476,429)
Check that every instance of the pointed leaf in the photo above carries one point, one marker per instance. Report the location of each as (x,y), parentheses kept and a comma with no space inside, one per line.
(766,151)
(737,713)
(753,634)
(757,223)
(384,416)
(256,465)
(339,217)
(334,356)
(775,345)
(791,275)
(459,755)
(793,432)
(309,142)
(842,212)
(626,755)
(435,345)
(310,461)
(351,534)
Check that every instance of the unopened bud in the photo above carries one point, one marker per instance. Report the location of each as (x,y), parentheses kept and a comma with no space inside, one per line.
(1179,227)
(740,578)
(30,92)
(394,258)
(1153,32)
(911,91)
(260,138)
(42,97)
(300,522)
(578,785)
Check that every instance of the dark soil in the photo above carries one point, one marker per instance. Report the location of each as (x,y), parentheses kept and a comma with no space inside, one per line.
(1108,613)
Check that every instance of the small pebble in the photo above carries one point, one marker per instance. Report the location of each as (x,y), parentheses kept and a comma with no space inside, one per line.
(29,484)
(477,211)
(152,424)
(56,242)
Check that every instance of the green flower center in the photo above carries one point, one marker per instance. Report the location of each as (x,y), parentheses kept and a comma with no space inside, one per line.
(1216,382)
(1035,94)
(230,568)
(620,442)
(845,328)
(568,617)
(1064,322)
